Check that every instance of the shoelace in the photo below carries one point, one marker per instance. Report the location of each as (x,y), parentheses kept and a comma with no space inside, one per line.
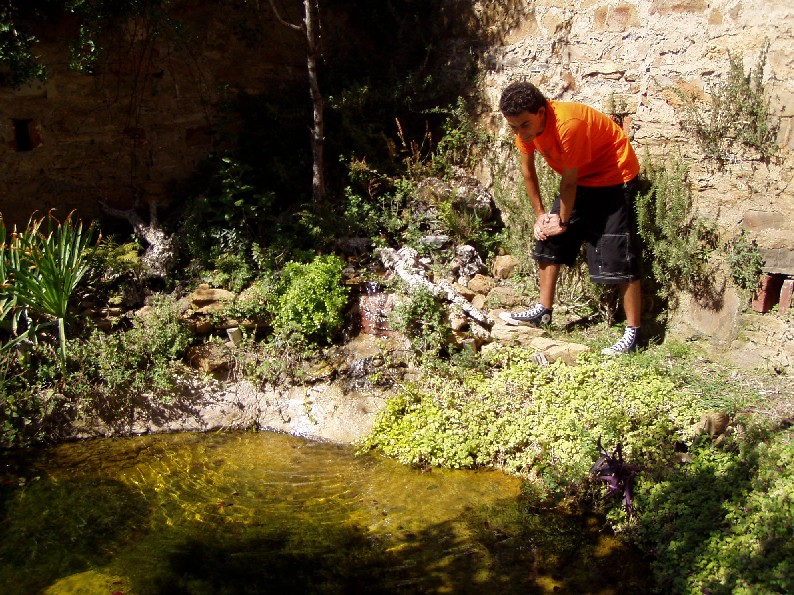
(625,342)
(535,310)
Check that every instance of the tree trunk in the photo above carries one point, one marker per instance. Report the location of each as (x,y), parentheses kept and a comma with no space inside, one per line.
(312,15)
(160,251)
(311,29)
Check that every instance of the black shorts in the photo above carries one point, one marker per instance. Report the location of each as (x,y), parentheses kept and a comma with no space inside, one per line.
(603,218)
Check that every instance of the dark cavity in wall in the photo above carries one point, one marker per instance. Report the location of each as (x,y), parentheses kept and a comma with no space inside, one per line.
(26,134)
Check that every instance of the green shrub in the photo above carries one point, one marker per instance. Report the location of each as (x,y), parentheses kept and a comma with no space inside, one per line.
(29,413)
(383,205)
(19,63)
(114,371)
(423,319)
(312,300)
(745,261)
(723,523)
(738,114)
(542,422)
(231,212)
(676,245)
(461,144)
(232,271)
(375,206)
(259,301)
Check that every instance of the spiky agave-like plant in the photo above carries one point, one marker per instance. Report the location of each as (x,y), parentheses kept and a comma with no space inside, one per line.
(45,267)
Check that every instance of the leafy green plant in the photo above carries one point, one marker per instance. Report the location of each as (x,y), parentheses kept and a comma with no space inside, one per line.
(423,319)
(676,245)
(19,63)
(738,114)
(114,371)
(9,312)
(462,144)
(745,261)
(45,267)
(230,213)
(723,523)
(467,226)
(383,205)
(539,422)
(259,301)
(312,299)
(232,271)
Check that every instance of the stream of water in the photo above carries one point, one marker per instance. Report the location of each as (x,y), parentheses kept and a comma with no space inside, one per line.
(271,513)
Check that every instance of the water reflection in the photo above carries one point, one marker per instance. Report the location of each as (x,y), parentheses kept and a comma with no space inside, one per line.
(269,513)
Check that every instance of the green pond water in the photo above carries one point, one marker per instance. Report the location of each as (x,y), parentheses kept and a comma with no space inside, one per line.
(271,513)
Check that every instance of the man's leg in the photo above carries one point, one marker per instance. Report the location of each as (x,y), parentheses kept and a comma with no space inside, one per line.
(540,313)
(548,274)
(631,294)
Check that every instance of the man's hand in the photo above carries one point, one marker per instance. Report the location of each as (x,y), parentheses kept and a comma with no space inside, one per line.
(541,224)
(548,225)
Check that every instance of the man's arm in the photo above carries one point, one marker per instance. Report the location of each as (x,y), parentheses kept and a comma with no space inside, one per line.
(530,175)
(568,183)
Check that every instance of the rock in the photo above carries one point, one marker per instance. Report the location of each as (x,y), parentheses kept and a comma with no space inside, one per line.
(235,335)
(466,293)
(515,335)
(714,423)
(211,358)
(567,352)
(464,191)
(481,284)
(505,297)
(466,263)
(206,299)
(458,321)
(504,266)
(436,241)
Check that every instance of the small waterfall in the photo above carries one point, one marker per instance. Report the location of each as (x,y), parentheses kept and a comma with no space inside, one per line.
(374,308)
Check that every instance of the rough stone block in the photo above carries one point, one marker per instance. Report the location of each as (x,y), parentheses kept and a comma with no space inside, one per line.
(778,260)
(785,296)
(504,266)
(768,294)
(664,7)
(759,220)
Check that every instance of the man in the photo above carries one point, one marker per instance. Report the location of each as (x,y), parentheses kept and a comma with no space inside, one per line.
(598,187)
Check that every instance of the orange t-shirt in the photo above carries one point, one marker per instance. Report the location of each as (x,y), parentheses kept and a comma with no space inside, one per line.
(579,137)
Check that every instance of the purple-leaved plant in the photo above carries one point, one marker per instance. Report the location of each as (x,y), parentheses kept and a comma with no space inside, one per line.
(615,473)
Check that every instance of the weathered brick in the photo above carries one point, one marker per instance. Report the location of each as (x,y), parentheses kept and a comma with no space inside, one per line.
(785,295)
(768,293)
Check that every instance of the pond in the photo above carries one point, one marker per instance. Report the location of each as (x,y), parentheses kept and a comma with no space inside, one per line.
(271,513)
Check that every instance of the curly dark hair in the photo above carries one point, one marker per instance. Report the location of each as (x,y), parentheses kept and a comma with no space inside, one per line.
(521,97)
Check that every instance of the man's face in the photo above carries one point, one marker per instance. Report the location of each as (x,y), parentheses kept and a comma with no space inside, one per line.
(526,125)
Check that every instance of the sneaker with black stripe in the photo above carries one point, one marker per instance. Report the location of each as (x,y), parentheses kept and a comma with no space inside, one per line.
(626,344)
(537,315)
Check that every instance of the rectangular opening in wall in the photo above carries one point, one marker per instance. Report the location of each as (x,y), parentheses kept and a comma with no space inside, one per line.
(26,135)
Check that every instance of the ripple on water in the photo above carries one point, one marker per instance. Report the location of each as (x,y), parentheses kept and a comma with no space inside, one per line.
(263,512)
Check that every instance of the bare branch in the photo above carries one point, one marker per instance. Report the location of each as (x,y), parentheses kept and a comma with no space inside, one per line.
(282,21)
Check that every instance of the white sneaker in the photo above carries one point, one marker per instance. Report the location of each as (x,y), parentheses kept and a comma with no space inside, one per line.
(626,344)
(537,315)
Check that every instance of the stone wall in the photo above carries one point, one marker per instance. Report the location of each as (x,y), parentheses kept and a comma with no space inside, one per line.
(143,120)
(594,51)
